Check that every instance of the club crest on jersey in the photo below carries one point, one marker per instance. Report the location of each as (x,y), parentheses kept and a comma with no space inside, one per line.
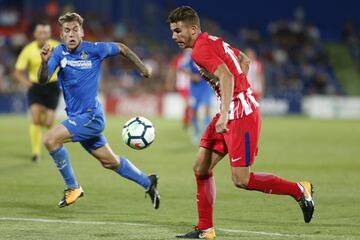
(63,62)
(84,55)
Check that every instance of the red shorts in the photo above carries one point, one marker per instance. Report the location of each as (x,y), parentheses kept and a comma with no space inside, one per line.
(241,141)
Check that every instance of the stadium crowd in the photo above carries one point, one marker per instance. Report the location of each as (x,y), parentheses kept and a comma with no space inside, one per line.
(351,38)
(295,62)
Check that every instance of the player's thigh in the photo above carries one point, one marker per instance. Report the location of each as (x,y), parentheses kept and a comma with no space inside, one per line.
(212,149)
(36,110)
(206,160)
(242,140)
(106,157)
(49,117)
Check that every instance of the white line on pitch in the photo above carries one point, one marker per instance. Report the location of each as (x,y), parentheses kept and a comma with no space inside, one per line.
(259,233)
(69,221)
(140,224)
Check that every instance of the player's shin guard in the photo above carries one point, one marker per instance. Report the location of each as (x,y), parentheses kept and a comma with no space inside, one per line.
(206,194)
(63,163)
(129,171)
(35,138)
(269,183)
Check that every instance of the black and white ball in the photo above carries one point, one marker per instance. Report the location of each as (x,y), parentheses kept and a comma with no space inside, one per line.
(138,133)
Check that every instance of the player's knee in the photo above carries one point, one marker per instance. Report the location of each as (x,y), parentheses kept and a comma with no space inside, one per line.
(199,168)
(109,164)
(240,182)
(49,141)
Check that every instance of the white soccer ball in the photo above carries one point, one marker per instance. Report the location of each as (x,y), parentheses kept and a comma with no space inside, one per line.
(138,133)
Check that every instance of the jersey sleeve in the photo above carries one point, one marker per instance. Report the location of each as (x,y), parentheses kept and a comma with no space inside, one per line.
(107,49)
(23,60)
(54,60)
(205,57)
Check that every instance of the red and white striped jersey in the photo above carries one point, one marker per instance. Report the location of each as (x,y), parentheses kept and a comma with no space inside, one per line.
(208,53)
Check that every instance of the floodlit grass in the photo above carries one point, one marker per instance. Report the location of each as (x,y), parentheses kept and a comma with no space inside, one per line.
(323,151)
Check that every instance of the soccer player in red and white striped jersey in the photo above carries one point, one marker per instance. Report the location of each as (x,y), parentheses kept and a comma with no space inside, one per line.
(234,130)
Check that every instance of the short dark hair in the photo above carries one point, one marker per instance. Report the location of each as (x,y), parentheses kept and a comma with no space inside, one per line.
(37,23)
(184,14)
(70,17)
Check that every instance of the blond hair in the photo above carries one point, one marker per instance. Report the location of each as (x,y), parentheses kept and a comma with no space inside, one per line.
(70,17)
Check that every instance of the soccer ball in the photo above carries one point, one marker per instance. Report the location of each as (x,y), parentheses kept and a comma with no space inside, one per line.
(138,133)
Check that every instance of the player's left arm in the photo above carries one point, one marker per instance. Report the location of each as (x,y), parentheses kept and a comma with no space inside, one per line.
(125,51)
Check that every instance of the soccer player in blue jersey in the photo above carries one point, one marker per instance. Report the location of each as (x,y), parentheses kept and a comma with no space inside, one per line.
(79,75)
(201,95)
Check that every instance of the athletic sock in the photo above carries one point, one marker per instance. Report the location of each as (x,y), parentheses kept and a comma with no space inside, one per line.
(206,194)
(269,183)
(129,171)
(187,116)
(63,163)
(35,138)
(207,121)
(195,125)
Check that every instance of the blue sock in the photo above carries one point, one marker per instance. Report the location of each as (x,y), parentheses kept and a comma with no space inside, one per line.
(62,162)
(129,171)
(207,121)
(195,125)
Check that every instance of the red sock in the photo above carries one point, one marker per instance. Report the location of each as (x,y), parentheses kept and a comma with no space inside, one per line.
(206,193)
(187,116)
(269,183)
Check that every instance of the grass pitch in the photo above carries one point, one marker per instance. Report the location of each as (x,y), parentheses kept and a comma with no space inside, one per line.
(323,151)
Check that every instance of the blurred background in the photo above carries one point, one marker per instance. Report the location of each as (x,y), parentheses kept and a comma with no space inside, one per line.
(309,51)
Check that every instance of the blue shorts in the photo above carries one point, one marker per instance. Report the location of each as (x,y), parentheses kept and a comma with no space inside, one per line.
(200,94)
(87,129)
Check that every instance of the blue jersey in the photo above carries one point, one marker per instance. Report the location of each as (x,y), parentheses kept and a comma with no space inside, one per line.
(198,89)
(79,74)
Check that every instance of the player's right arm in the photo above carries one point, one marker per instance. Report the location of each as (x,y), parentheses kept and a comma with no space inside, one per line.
(226,80)
(204,56)
(20,76)
(20,68)
(43,73)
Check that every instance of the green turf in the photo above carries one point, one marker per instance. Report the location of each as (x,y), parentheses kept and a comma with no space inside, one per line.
(345,68)
(326,152)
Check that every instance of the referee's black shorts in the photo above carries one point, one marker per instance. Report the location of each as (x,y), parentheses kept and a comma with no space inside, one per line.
(46,95)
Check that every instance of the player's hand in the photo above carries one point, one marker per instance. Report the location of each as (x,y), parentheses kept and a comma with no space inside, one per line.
(221,123)
(148,72)
(46,52)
